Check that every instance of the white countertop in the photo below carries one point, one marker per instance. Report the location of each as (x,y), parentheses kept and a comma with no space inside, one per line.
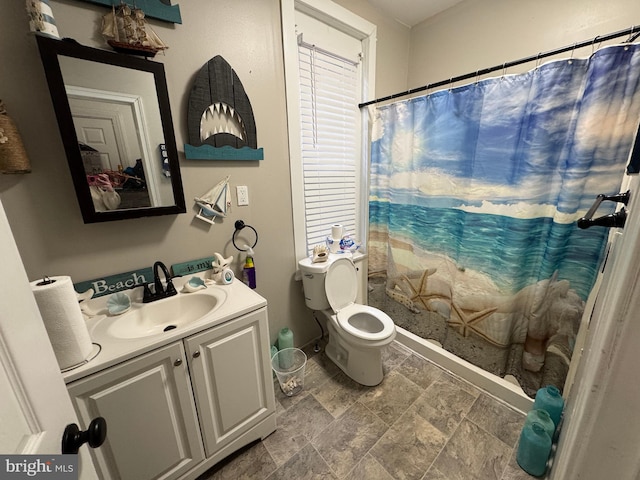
(240,299)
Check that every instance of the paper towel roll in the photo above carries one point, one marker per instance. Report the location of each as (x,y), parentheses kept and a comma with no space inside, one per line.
(63,320)
(336,231)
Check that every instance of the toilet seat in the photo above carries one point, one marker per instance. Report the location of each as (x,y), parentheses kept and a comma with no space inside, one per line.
(361,321)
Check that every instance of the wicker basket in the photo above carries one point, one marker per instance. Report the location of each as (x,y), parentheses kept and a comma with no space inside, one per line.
(13,156)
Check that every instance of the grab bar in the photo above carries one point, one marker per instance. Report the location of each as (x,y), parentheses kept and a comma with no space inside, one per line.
(616,219)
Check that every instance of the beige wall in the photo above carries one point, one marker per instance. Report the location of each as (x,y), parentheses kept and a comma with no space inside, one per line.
(392,65)
(42,207)
(477,34)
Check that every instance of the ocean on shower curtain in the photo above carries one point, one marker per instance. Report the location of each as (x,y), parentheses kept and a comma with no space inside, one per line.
(475,192)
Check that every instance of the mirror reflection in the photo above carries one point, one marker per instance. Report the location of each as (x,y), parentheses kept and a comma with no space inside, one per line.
(115,121)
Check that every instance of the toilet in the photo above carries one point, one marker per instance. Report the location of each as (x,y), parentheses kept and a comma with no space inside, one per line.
(357,332)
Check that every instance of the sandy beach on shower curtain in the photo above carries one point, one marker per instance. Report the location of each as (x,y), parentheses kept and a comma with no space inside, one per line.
(433,323)
(409,259)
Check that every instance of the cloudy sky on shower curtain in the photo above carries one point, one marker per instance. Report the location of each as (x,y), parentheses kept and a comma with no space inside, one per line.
(507,161)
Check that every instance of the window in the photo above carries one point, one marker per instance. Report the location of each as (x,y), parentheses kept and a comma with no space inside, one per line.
(328,72)
(330,145)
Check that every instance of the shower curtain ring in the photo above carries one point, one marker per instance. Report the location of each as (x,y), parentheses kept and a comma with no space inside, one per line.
(593,44)
(632,36)
(428,90)
(573,50)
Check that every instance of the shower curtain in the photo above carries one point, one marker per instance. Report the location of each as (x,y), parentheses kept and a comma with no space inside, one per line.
(474,196)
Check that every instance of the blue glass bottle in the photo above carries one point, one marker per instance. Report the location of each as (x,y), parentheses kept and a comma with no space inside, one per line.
(534,449)
(548,398)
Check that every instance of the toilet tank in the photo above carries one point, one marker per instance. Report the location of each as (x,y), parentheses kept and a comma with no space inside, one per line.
(313,275)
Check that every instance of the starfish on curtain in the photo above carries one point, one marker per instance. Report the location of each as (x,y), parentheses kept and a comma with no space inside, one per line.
(468,322)
(398,291)
(419,292)
(404,291)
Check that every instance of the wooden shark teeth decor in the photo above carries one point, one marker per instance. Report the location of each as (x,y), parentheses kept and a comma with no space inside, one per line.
(220,119)
(158,9)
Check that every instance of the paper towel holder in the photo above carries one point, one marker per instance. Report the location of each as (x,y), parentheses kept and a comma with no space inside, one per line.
(46,280)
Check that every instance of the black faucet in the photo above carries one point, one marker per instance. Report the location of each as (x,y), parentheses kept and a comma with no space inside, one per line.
(158,291)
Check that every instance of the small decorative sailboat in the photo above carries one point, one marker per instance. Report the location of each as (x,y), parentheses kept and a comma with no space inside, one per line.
(215,203)
(127,31)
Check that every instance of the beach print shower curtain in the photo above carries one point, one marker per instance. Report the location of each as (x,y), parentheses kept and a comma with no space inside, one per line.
(474,196)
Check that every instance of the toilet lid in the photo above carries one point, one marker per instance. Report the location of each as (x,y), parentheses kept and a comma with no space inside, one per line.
(341,284)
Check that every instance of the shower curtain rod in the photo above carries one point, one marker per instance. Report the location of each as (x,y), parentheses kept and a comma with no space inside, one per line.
(628,31)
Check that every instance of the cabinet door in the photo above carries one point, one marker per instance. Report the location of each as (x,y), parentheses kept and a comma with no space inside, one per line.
(152,430)
(232,380)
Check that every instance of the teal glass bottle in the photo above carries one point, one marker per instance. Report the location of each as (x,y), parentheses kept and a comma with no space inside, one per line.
(534,449)
(548,398)
(285,340)
(542,417)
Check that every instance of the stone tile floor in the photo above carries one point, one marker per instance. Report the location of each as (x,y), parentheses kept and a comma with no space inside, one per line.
(420,423)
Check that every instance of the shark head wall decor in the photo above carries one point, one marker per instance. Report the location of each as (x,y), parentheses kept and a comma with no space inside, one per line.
(220,118)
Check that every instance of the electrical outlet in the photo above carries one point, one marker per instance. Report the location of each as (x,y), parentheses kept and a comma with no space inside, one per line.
(243,194)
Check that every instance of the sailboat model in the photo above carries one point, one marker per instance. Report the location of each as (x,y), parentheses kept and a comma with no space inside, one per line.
(127,31)
(215,203)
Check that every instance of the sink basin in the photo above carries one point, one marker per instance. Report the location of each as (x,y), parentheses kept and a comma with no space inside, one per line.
(156,318)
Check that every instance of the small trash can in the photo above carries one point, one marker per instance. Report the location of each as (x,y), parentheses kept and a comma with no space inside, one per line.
(289,365)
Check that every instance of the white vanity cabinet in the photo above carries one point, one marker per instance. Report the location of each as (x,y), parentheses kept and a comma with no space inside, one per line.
(174,412)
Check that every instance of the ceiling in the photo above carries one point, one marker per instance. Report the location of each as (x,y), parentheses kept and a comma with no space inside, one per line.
(412,12)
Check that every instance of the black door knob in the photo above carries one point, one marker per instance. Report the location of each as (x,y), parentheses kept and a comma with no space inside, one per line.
(73,438)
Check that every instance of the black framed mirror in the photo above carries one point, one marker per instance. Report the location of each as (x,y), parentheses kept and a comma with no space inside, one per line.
(115,121)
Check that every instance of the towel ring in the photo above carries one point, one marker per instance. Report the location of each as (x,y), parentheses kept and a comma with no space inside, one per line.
(239,226)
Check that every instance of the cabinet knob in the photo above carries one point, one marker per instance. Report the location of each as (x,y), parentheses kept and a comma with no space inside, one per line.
(178,362)
(196,354)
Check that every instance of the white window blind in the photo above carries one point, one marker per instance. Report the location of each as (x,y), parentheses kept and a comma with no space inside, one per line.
(330,136)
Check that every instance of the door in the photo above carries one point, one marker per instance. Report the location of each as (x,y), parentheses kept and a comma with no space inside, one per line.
(99,133)
(599,435)
(108,126)
(34,405)
(232,379)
